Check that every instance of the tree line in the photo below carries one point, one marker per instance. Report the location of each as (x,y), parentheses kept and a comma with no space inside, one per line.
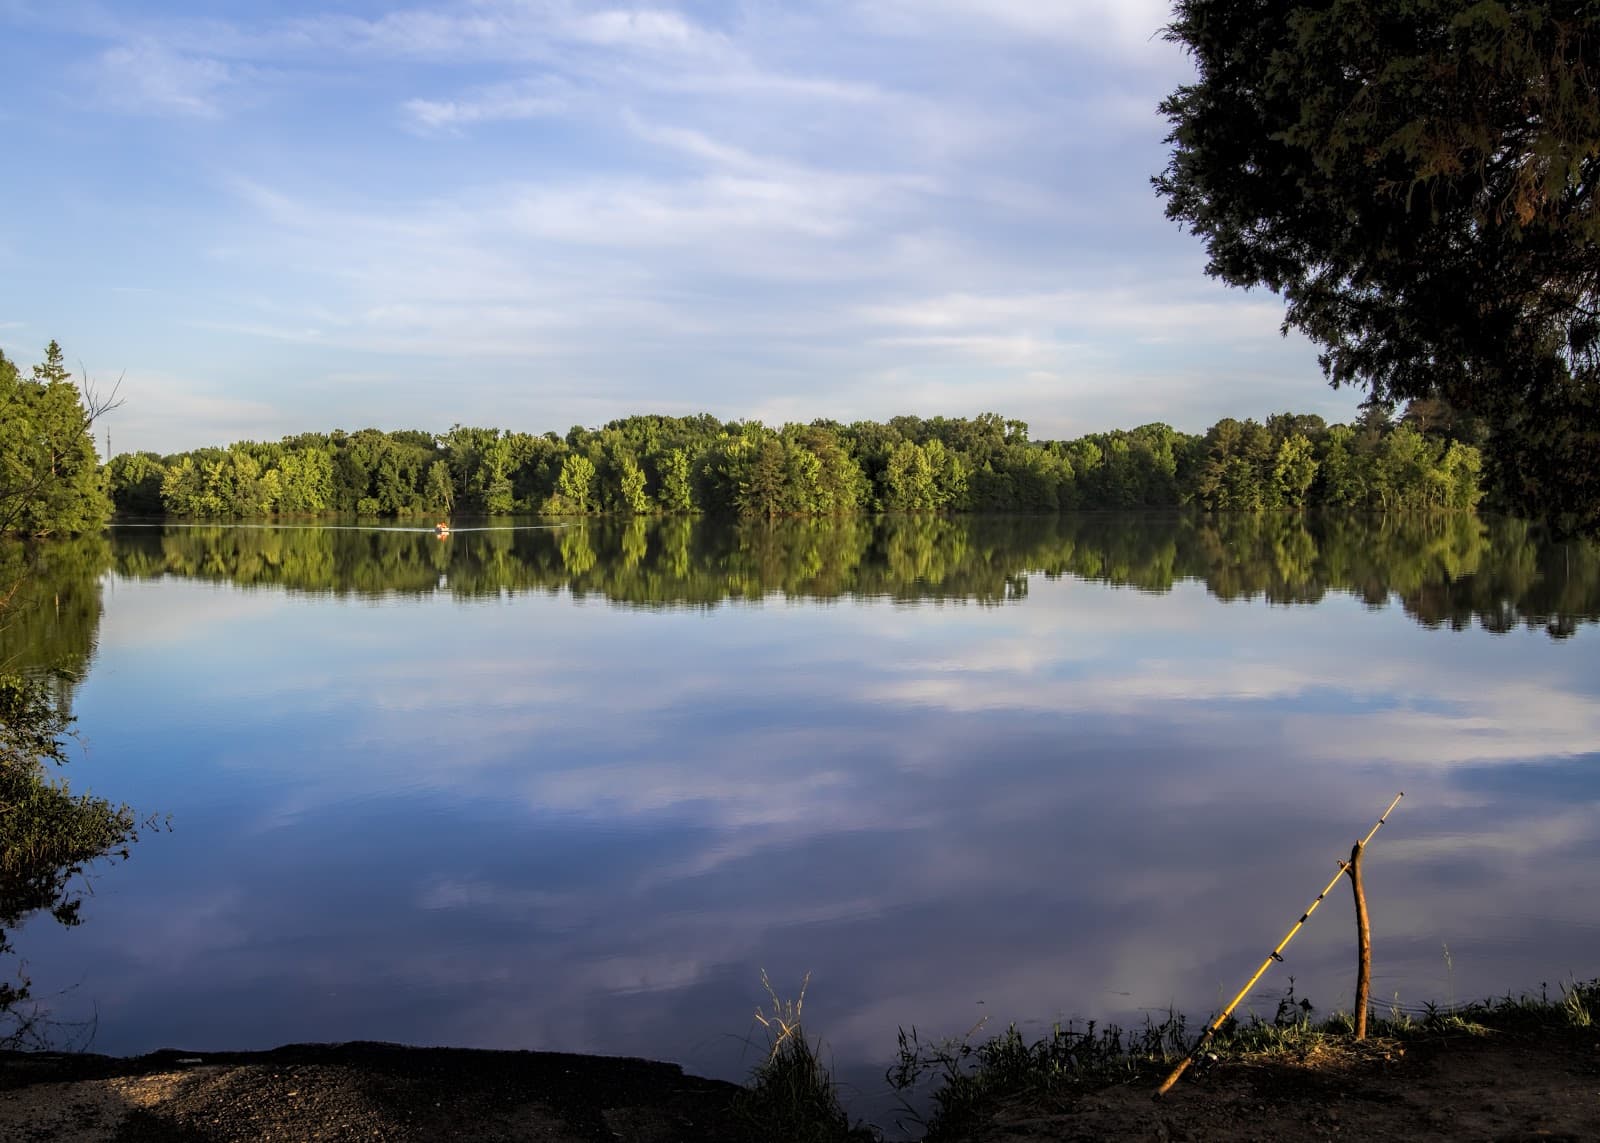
(1427,459)
(659,465)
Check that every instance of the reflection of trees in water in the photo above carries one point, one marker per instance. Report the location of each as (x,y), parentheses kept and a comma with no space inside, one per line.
(51,616)
(1443,569)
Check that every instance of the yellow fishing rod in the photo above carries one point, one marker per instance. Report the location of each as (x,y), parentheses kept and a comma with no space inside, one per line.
(1275,955)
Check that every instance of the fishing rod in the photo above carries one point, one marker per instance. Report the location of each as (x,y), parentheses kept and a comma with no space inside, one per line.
(1275,955)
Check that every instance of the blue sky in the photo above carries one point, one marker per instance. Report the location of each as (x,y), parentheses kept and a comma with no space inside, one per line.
(269,218)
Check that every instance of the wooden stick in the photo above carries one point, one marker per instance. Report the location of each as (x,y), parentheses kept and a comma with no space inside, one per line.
(1363,942)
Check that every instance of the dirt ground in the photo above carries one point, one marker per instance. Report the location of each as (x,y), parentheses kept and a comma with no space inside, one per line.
(1497,1088)
(356,1092)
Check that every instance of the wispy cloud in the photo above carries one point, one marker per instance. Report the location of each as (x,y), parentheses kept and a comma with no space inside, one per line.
(528,99)
(1052,329)
(146,77)
(502,30)
(154,401)
(1125,26)
(768,209)
(640,29)
(495,737)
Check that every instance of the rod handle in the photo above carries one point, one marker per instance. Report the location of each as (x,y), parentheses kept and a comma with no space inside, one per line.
(1177,1072)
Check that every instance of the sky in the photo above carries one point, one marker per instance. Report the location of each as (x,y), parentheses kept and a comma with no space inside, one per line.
(273,218)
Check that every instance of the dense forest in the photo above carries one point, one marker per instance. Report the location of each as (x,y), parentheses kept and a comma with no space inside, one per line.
(650,465)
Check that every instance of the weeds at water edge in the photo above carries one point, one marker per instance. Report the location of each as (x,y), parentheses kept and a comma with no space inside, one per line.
(790,1095)
(962,1081)
(959,1078)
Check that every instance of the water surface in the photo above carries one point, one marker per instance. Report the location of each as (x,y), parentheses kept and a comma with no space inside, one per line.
(575,788)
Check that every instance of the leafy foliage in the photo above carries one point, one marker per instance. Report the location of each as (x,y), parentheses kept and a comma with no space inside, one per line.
(50,483)
(645,466)
(1418,180)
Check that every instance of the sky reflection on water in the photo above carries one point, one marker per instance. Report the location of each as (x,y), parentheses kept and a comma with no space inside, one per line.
(534,821)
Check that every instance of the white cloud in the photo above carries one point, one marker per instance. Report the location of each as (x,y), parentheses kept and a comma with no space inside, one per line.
(835,211)
(166,412)
(1508,721)
(1129,27)
(646,29)
(530,99)
(878,836)
(147,77)
(494,30)
(1155,308)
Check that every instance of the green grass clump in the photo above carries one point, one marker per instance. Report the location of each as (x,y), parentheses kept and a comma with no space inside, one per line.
(1292,1031)
(790,1095)
(967,1078)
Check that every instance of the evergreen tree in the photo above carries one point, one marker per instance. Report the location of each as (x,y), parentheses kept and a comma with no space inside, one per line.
(50,483)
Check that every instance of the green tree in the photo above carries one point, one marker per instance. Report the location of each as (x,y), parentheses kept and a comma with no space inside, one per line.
(575,485)
(643,465)
(1418,180)
(677,493)
(1294,468)
(50,482)
(908,480)
(183,490)
(1230,479)
(305,479)
(439,494)
(630,482)
(1343,483)
(762,483)
(133,480)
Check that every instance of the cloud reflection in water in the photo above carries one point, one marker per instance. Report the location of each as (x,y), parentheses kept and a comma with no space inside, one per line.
(543,823)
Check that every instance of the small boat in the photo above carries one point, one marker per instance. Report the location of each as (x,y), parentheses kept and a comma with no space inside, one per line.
(441,529)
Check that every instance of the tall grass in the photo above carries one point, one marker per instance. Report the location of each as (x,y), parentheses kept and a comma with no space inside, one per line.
(790,1095)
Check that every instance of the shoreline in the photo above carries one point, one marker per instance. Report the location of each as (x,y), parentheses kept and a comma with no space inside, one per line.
(1508,1080)
(356,1090)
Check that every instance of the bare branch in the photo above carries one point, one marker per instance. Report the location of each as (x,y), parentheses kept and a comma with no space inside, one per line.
(94,405)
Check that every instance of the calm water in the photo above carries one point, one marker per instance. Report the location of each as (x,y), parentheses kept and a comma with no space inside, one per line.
(574,788)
